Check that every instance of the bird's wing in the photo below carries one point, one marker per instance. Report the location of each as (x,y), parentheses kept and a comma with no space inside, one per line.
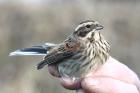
(34,50)
(58,54)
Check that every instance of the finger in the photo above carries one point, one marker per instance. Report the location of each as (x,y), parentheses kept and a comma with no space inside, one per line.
(80,91)
(107,85)
(71,84)
(115,69)
(53,70)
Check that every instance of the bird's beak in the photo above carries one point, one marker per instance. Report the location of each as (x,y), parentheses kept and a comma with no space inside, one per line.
(99,27)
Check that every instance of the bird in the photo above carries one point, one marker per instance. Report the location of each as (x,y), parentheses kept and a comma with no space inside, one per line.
(83,51)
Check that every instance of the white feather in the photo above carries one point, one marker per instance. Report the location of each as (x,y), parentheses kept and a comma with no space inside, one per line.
(50,44)
(20,53)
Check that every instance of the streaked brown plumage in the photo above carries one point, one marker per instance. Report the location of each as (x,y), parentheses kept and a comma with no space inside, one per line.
(84,50)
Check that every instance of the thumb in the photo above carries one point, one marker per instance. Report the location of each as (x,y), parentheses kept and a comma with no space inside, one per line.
(107,85)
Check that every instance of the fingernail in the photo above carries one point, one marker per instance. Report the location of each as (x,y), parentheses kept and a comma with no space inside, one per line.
(66,79)
(92,82)
(80,91)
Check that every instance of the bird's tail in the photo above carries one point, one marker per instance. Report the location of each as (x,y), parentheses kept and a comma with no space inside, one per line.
(41,64)
(35,50)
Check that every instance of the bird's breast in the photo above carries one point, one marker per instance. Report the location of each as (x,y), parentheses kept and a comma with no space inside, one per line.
(90,57)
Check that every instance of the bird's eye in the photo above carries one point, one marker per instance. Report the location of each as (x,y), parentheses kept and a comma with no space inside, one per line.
(82,34)
(87,26)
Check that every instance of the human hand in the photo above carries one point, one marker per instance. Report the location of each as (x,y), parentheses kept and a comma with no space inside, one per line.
(112,77)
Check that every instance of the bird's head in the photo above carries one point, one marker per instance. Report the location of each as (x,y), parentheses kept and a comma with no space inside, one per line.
(88,30)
